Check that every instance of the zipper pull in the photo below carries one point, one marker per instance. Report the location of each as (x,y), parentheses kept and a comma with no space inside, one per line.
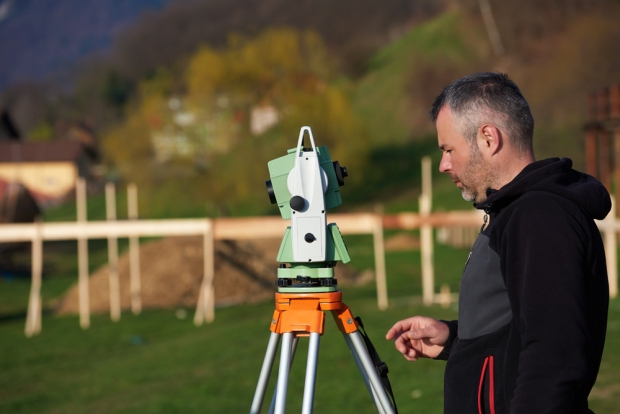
(485,220)
(487,211)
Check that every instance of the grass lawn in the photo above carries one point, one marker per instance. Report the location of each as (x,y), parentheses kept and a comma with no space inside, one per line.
(157,363)
(160,363)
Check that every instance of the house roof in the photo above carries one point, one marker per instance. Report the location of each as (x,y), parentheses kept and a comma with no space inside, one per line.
(58,150)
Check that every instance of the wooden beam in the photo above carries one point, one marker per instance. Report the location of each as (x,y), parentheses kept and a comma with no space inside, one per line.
(244,228)
(604,158)
(135,284)
(33,318)
(611,247)
(115,290)
(205,308)
(379,250)
(426,235)
(83,288)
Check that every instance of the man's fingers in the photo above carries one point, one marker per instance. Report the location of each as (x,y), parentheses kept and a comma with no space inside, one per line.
(404,345)
(418,337)
(391,334)
(395,330)
(422,333)
(401,346)
(412,355)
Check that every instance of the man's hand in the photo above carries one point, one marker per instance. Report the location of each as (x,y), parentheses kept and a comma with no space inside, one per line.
(419,336)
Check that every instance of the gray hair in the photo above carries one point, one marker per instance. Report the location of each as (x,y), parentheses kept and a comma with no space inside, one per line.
(488,97)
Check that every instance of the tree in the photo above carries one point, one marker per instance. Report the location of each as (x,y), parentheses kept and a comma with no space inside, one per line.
(203,138)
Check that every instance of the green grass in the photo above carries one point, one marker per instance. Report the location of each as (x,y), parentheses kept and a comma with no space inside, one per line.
(404,267)
(158,363)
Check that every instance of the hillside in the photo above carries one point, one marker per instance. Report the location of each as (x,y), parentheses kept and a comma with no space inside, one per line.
(406,75)
(556,66)
(39,38)
(99,51)
(365,86)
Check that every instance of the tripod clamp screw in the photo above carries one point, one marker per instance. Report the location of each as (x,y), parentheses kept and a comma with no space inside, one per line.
(349,321)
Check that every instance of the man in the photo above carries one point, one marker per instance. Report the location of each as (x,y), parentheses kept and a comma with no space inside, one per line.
(534,295)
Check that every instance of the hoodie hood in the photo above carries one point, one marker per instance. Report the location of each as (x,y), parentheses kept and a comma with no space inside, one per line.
(556,176)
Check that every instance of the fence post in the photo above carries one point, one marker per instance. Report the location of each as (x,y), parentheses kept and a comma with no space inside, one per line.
(115,300)
(611,244)
(134,252)
(205,309)
(80,195)
(33,318)
(426,234)
(592,129)
(379,249)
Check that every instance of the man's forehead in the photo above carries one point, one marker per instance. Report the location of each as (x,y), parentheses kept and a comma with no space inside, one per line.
(448,133)
(445,111)
(445,122)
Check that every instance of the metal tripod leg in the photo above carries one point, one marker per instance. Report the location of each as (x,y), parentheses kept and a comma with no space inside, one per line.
(360,367)
(272,406)
(265,373)
(285,368)
(310,381)
(382,400)
(313,357)
(307,313)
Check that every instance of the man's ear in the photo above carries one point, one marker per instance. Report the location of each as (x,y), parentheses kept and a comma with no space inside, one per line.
(490,139)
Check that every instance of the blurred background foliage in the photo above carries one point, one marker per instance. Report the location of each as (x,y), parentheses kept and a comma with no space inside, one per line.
(193,99)
(203,136)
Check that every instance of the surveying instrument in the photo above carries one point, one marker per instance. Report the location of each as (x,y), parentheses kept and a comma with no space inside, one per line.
(304,184)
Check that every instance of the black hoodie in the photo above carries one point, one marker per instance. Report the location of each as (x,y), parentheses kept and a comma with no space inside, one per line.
(533,299)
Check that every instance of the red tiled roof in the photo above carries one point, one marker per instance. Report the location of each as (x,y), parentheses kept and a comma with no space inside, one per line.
(60,150)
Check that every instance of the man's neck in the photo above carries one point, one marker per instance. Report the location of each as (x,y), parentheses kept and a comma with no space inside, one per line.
(508,170)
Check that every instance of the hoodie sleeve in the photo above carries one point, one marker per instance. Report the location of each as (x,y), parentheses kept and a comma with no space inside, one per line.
(544,260)
(453,326)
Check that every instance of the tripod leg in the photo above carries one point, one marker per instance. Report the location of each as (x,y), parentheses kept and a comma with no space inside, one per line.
(265,372)
(382,399)
(313,357)
(285,367)
(360,367)
(272,407)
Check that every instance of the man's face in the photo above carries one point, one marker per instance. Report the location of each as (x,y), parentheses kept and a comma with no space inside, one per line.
(464,162)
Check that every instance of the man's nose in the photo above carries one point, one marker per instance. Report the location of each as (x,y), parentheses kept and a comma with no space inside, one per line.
(444,164)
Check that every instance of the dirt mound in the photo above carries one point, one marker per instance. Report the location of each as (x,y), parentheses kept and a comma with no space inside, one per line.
(172,270)
(401,242)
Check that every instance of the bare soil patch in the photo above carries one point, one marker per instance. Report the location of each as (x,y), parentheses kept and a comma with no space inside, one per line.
(402,242)
(172,270)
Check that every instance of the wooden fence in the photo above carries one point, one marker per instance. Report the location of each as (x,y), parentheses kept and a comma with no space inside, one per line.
(240,228)
(211,230)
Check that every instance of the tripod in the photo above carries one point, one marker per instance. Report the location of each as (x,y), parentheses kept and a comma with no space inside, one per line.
(302,314)
(304,184)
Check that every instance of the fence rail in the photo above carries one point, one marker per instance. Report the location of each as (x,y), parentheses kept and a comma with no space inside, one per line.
(241,228)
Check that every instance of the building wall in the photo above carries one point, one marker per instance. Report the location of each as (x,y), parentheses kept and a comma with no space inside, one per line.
(46,180)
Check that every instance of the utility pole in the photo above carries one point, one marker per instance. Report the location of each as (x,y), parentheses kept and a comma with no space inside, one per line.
(489,22)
